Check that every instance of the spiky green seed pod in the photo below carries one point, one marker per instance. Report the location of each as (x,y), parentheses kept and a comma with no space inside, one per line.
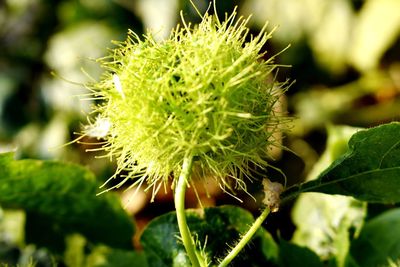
(205,93)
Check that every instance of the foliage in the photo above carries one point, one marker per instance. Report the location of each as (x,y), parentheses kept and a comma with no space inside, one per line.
(375,240)
(213,226)
(65,195)
(73,201)
(344,58)
(368,171)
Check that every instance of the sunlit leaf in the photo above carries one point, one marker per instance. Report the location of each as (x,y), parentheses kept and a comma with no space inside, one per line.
(323,222)
(377,28)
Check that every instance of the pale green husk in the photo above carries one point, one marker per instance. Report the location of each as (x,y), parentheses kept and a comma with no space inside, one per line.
(206,92)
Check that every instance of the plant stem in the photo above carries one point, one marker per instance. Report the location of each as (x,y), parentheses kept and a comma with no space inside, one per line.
(245,239)
(179,199)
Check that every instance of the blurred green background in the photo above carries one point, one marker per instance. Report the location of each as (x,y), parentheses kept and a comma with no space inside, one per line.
(344,57)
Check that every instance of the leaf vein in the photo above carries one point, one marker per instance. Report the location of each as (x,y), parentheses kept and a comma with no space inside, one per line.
(387,152)
(322,183)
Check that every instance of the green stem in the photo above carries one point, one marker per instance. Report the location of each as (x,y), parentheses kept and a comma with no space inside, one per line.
(180,190)
(245,239)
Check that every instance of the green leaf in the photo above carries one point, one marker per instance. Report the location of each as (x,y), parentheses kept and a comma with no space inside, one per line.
(79,253)
(216,227)
(64,195)
(336,145)
(379,241)
(326,223)
(124,258)
(291,255)
(368,171)
(103,256)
